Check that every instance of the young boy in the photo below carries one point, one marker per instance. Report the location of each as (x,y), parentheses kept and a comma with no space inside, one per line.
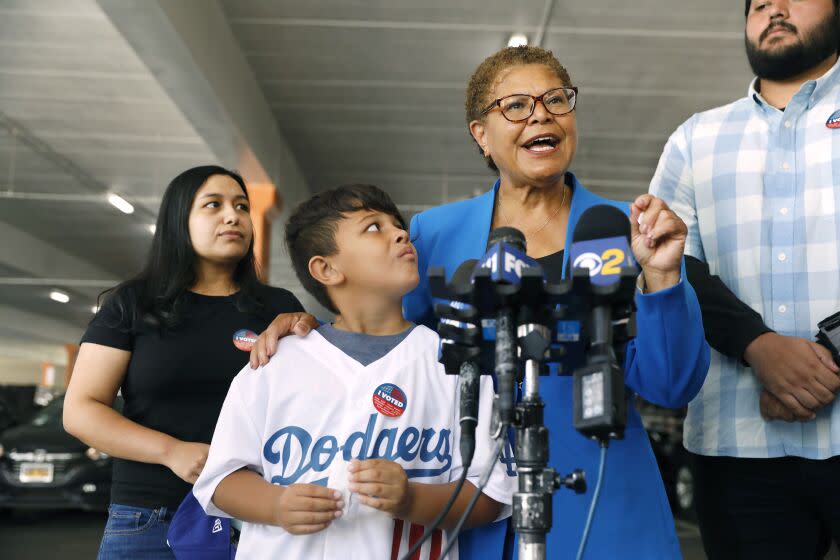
(345,445)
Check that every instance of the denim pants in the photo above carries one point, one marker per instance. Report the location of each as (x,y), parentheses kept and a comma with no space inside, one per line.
(135,533)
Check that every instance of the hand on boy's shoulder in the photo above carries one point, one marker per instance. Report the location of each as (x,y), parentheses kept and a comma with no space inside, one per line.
(299,323)
(380,484)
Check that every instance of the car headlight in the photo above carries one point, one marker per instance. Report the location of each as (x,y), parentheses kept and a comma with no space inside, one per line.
(95,455)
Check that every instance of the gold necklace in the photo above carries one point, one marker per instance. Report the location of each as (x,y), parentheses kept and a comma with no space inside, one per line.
(539,229)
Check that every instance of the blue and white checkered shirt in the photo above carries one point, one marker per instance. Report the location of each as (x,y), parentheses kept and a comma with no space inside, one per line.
(760,191)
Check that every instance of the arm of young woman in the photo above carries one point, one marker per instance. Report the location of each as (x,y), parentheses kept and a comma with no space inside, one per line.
(89,416)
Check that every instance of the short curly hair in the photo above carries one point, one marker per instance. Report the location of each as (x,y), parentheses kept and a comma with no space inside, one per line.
(484,79)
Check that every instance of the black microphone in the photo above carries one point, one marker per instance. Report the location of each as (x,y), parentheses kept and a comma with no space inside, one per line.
(468,367)
(506,343)
(601,243)
(469,384)
(463,274)
(507,235)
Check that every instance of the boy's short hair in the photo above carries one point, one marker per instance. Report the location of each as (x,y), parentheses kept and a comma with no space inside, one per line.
(312,226)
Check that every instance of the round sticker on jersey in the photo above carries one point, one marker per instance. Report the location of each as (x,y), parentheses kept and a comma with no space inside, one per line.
(244,339)
(833,121)
(390,400)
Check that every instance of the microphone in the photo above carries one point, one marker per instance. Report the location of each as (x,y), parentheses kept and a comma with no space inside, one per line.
(506,258)
(601,244)
(460,355)
(469,378)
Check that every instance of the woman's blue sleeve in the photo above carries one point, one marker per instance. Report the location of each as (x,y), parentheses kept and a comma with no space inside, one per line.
(668,360)
(417,304)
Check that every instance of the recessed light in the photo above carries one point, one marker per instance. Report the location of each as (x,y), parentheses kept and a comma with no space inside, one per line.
(59,296)
(120,203)
(518,40)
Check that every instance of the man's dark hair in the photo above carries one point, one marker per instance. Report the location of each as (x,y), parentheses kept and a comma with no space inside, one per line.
(749,3)
(155,295)
(311,228)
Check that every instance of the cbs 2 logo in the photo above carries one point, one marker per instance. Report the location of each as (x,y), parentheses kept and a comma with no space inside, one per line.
(607,263)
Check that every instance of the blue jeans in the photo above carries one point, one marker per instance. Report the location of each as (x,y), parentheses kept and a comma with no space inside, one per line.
(135,533)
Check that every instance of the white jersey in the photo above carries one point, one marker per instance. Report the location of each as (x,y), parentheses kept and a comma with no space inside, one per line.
(311,409)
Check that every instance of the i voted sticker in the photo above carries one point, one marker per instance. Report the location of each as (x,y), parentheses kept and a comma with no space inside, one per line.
(833,121)
(244,339)
(390,400)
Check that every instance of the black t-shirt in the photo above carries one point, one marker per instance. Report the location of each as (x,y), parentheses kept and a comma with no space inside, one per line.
(552,266)
(177,379)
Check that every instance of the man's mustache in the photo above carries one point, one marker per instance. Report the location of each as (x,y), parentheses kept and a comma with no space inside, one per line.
(783,24)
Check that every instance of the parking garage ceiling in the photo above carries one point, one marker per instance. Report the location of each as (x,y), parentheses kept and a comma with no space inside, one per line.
(118,95)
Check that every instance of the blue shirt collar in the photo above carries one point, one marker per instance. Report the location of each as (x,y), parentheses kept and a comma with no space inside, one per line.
(812,90)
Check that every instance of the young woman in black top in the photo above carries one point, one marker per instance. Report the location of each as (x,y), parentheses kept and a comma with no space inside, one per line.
(171,339)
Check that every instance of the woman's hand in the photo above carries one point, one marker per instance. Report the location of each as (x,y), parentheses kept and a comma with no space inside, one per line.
(186,459)
(658,240)
(299,323)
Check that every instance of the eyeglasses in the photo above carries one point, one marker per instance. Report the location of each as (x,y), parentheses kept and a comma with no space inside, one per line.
(520,106)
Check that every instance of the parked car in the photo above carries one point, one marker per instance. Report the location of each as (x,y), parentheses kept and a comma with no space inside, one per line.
(7,416)
(665,430)
(42,466)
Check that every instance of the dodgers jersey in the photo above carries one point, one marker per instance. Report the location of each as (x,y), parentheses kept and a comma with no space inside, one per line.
(302,417)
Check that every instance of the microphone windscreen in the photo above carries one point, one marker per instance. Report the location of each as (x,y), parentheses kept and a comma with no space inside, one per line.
(463,274)
(509,235)
(601,221)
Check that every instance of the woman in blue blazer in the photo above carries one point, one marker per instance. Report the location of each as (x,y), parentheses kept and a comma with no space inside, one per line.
(520,110)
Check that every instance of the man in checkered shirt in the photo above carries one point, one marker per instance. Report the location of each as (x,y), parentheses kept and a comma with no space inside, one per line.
(758,183)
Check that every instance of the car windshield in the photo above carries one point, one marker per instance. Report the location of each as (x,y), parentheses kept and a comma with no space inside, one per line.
(50,414)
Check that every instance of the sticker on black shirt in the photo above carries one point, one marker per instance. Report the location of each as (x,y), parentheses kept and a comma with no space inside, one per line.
(244,339)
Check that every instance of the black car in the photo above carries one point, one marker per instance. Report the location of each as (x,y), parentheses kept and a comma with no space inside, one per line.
(7,416)
(665,428)
(42,466)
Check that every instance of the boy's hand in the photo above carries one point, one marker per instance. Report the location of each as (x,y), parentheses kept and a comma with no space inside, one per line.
(303,509)
(382,485)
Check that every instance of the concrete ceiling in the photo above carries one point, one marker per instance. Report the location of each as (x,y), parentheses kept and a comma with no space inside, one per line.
(119,95)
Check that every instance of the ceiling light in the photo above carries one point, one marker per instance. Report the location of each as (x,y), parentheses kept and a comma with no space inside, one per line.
(120,203)
(152,228)
(518,40)
(59,296)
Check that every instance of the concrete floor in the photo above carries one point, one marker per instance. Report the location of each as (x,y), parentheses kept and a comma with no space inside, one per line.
(75,536)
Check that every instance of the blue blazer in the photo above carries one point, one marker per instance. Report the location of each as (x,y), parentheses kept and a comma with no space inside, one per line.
(666,364)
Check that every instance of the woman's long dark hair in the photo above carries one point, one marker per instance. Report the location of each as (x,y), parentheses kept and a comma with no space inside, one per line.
(155,295)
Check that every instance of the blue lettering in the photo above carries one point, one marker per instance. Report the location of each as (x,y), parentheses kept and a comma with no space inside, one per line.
(365,439)
(293,450)
(404,447)
(293,434)
(425,439)
(328,446)
(388,436)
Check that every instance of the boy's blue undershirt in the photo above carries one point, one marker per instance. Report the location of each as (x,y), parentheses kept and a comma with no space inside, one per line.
(364,348)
